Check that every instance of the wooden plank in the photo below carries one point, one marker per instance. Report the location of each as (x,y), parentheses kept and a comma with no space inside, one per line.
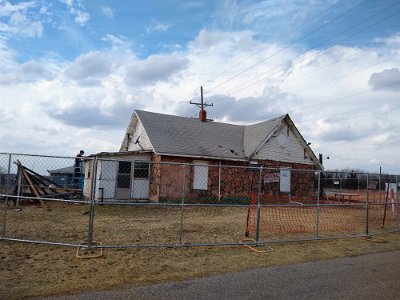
(29,180)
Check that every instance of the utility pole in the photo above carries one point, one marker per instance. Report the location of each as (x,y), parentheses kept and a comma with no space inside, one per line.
(201,105)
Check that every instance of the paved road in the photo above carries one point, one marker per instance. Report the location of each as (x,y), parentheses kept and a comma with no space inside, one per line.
(373,276)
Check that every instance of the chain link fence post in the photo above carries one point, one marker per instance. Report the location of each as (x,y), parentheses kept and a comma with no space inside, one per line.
(318,199)
(7,193)
(397,203)
(91,206)
(367,208)
(182,205)
(379,185)
(219,182)
(258,206)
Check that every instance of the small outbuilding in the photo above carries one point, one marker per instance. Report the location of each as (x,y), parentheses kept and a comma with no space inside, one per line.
(63,176)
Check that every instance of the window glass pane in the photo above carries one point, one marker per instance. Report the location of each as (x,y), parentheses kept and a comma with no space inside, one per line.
(141,170)
(124,167)
(124,181)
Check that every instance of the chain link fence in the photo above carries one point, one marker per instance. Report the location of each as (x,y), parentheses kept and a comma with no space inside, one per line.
(121,202)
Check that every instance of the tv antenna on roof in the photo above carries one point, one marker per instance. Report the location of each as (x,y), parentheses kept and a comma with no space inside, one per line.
(201,105)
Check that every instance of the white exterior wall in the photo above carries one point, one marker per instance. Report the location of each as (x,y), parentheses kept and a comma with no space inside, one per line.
(105,179)
(143,139)
(284,148)
(87,181)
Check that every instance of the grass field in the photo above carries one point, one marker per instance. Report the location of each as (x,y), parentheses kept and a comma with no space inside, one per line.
(160,225)
(37,270)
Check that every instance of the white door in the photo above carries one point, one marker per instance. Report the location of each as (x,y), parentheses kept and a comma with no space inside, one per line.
(140,182)
(105,179)
(124,174)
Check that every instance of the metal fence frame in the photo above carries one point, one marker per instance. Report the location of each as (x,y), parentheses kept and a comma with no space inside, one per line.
(182,205)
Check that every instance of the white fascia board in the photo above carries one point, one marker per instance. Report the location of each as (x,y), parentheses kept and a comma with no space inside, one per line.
(202,157)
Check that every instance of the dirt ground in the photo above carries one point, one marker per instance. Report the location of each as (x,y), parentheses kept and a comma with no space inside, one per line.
(161,225)
(28,270)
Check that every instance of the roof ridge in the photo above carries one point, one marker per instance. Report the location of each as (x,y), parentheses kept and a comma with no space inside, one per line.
(215,122)
(187,118)
(281,117)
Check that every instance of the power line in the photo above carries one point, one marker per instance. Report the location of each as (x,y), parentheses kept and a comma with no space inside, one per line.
(319,51)
(345,114)
(313,71)
(337,78)
(284,48)
(263,48)
(290,32)
(343,97)
(324,43)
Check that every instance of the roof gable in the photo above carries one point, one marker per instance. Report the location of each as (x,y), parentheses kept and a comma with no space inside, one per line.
(256,135)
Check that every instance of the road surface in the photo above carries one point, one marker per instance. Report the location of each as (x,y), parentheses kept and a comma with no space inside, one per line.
(373,276)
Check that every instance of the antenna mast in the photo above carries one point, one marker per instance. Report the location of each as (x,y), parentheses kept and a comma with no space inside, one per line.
(201,105)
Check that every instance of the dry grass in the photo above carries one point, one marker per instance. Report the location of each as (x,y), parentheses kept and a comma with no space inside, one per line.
(37,270)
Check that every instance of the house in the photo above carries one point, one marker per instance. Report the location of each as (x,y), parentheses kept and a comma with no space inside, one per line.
(149,162)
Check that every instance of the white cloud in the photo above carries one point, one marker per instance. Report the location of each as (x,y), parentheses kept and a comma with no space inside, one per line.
(107,11)
(26,72)
(388,79)
(8,9)
(391,42)
(16,21)
(157,27)
(78,11)
(346,130)
(119,43)
(81,17)
(90,66)
(7,55)
(154,69)
(7,114)
(272,18)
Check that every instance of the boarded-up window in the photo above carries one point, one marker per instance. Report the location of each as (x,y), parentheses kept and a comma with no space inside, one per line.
(200,177)
(285,180)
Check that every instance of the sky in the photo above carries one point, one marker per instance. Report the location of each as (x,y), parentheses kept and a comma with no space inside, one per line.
(73,71)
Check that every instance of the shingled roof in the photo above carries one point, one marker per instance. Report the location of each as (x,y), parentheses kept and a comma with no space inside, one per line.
(189,137)
(66,170)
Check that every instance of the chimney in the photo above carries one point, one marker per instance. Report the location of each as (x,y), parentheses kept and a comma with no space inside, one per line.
(203,115)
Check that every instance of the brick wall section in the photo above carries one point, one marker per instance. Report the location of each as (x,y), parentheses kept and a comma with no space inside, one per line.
(155,176)
(167,181)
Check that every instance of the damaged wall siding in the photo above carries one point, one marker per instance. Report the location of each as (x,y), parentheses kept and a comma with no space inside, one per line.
(139,139)
(284,146)
(168,181)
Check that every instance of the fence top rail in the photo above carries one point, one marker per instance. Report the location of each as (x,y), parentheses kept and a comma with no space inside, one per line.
(208,165)
(41,155)
(249,166)
(3,197)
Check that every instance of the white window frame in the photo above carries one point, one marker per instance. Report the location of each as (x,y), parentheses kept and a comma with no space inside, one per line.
(285,180)
(200,175)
